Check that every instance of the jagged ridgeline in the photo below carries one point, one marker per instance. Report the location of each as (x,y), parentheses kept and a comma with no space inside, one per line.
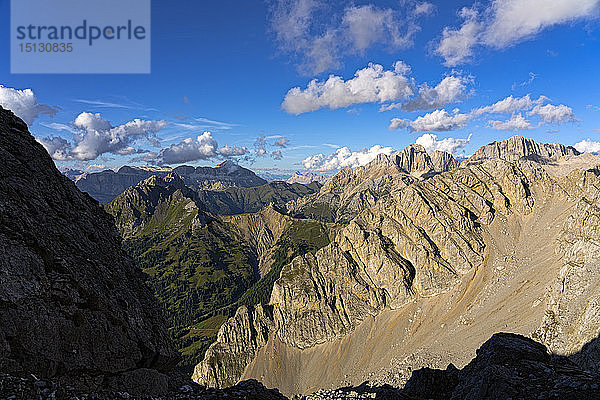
(202,265)
(426,270)
(104,186)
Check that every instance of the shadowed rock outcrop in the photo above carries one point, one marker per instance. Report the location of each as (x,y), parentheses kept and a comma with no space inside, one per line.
(507,366)
(72,303)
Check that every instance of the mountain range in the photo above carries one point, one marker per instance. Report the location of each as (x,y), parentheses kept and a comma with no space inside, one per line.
(357,288)
(104,186)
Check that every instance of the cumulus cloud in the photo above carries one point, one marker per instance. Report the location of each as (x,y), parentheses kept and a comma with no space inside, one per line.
(449,90)
(93,136)
(201,148)
(97,136)
(456,45)
(398,123)
(515,20)
(539,109)
(588,146)
(552,114)
(233,151)
(511,105)
(344,157)
(451,145)
(261,146)
(507,22)
(439,121)
(516,123)
(369,85)
(321,43)
(57,147)
(24,104)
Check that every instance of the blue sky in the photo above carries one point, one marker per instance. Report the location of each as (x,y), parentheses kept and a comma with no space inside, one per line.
(226,67)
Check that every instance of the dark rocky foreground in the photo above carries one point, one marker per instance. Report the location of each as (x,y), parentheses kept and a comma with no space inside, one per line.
(30,387)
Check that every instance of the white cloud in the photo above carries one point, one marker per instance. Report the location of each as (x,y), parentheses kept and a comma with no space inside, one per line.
(24,104)
(511,105)
(516,123)
(97,136)
(517,20)
(363,26)
(439,121)
(369,85)
(321,43)
(344,157)
(57,147)
(588,146)
(233,151)
(277,155)
(449,90)
(424,8)
(95,166)
(398,123)
(507,22)
(552,114)
(456,45)
(93,136)
(190,149)
(450,145)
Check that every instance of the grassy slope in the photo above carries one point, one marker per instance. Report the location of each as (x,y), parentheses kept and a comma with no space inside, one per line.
(201,275)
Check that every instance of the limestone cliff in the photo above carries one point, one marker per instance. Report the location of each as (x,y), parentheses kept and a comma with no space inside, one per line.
(237,342)
(518,148)
(416,242)
(572,317)
(352,190)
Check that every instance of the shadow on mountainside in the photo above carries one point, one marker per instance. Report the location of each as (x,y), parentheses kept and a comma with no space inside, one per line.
(507,366)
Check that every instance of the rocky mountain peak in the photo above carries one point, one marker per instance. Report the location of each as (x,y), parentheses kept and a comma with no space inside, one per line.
(172,180)
(518,148)
(228,166)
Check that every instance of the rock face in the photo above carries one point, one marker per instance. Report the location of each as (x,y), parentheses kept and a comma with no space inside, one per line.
(419,277)
(71,301)
(106,185)
(237,342)
(572,316)
(416,242)
(350,191)
(519,148)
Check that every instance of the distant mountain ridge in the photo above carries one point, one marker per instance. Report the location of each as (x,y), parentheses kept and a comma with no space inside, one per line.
(106,185)
(518,147)
(306,178)
(350,191)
